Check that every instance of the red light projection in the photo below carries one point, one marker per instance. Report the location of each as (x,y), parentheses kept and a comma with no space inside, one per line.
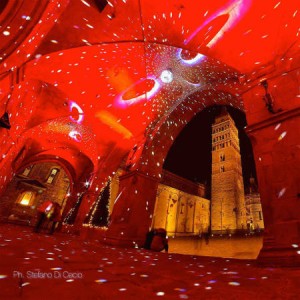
(101,82)
(142,90)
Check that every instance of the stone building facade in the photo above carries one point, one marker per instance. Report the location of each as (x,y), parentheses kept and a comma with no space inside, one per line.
(180,206)
(227,194)
(30,188)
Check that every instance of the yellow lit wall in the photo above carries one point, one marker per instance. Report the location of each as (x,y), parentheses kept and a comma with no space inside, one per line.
(180,213)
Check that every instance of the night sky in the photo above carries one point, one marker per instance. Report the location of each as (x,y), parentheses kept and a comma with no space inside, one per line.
(190,154)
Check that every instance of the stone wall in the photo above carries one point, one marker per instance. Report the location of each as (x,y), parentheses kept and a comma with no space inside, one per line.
(35,182)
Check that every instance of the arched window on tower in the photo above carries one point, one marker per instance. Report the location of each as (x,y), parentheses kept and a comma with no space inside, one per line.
(52,175)
(222,157)
(222,169)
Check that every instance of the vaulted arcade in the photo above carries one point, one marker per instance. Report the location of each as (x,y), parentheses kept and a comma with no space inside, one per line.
(95,85)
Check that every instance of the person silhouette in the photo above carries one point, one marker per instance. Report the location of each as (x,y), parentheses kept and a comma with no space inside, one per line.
(55,217)
(44,212)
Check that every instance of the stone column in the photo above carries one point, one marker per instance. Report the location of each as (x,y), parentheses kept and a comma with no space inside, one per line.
(276,146)
(133,210)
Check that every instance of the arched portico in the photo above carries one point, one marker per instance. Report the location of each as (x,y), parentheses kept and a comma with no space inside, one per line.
(132,67)
(135,206)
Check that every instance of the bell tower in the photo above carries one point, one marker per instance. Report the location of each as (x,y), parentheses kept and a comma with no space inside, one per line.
(228,211)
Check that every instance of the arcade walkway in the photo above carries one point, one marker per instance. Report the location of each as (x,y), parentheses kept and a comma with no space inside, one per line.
(38,266)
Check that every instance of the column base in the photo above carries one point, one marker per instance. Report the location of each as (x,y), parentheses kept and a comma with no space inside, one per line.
(279,257)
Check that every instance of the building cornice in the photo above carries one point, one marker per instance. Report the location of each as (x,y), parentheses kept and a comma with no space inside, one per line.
(274,119)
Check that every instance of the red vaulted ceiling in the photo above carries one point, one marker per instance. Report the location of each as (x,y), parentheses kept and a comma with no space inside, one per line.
(93,80)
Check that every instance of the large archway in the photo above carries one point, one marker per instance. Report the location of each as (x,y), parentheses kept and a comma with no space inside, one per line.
(144,166)
(185,196)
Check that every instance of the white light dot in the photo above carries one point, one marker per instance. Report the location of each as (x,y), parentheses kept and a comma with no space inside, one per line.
(166,76)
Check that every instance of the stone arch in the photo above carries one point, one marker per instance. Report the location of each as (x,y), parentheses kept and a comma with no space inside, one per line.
(162,136)
(146,161)
(33,132)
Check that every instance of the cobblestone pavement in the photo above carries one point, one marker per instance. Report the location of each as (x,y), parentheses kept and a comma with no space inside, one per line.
(38,266)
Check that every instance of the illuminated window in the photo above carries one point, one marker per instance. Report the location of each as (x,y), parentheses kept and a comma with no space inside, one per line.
(27,171)
(52,175)
(26,198)
(222,157)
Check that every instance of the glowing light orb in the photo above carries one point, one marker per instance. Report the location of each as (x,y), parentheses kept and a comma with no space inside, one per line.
(166,76)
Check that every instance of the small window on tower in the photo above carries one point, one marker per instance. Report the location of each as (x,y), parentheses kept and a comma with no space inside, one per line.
(222,157)
(52,175)
(222,169)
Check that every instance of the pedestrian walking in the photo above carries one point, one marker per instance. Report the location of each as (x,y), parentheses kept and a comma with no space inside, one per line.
(156,240)
(55,217)
(44,212)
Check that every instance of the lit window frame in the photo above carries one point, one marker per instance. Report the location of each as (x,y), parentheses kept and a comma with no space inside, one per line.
(22,196)
(27,171)
(52,176)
